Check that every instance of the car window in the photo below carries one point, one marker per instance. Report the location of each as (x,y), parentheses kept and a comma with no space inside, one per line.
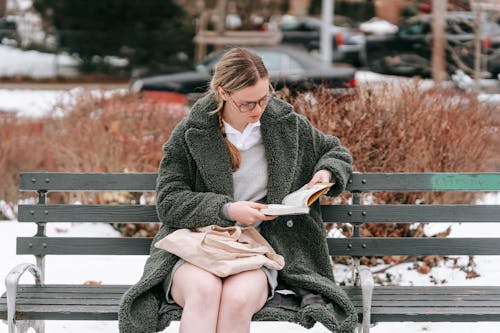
(416,28)
(460,26)
(278,62)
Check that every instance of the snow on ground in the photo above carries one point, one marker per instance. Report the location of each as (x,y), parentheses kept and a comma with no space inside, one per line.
(37,103)
(33,103)
(38,65)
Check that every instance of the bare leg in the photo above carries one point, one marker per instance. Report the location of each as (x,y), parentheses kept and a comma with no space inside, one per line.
(243,295)
(198,292)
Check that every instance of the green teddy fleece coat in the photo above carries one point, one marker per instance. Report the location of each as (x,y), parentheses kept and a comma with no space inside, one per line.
(195,181)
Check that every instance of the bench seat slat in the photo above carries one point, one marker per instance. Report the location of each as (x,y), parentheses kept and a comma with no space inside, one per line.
(426,290)
(69,288)
(69,295)
(69,301)
(382,297)
(83,306)
(429,314)
(435,304)
(66,312)
(357,301)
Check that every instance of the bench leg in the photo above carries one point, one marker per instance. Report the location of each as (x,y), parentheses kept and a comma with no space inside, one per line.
(11,282)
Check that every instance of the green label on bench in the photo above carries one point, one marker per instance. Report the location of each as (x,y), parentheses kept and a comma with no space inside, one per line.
(465,182)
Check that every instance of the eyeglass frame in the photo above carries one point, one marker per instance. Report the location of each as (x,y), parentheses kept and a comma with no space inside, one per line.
(266,98)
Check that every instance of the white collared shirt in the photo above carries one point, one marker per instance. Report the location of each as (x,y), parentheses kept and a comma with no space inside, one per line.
(250,180)
(245,140)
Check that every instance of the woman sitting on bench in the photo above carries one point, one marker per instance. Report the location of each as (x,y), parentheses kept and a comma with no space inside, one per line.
(239,149)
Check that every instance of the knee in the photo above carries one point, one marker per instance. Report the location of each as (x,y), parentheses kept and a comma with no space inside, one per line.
(205,292)
(236,301)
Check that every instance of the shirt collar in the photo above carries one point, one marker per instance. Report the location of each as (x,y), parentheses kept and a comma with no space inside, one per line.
(231,130)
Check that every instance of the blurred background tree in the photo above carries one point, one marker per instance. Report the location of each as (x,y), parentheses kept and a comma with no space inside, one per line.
(149,34)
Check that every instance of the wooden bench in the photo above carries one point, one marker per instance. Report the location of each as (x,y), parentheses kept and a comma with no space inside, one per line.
(40,301)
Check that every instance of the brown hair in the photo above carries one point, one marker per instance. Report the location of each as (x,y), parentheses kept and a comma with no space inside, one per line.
(238,68)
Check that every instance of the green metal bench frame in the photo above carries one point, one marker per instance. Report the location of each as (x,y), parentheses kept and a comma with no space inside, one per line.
(25,306)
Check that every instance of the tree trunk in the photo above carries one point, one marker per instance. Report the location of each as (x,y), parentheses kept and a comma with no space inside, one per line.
(3,8)
(438,40)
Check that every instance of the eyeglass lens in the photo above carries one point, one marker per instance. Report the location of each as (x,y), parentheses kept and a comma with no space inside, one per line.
(246,107)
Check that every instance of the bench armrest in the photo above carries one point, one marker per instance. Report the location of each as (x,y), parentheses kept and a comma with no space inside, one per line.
(11,283)
(367,284)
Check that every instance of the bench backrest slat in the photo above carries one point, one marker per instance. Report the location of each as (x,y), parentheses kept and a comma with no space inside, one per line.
(88,213)
(423,182)
(78,182)
(360,182)
(83,245)
(407,246)
(410,213)
(338,246)
(339,213)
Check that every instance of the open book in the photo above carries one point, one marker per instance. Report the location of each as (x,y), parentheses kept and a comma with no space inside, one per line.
(298,202)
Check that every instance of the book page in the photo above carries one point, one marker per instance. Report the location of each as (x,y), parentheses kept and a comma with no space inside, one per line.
(304,196)
(277,209)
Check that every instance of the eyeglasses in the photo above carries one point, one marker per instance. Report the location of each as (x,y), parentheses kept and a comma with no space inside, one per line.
(249,106)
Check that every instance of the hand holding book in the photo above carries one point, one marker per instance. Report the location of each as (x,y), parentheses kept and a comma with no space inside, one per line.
(298,202)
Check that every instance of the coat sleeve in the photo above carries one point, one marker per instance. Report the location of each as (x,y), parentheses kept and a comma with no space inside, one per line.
(177,204)
(330,155)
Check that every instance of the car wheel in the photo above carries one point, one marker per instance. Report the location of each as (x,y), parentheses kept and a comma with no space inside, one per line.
(406,65)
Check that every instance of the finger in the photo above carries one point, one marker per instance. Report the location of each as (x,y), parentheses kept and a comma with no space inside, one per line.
(257,205)
(266,217)
(313,181)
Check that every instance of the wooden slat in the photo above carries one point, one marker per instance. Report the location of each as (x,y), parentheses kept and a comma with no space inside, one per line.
(66,312)
(62,181)
(429,313)
(338,246)
(76,288)
(361,182)
(88,213)
(410,213)
(331,213)
(352,290)
(413,246)
(69,301)
(424,182)
(434,298)
(83,245)
(419,307)
(428,290)
(97,295)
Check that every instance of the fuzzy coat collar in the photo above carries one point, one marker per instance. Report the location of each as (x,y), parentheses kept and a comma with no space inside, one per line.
(279,129)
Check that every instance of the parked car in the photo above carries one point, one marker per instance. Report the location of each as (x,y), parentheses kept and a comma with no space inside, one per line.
(288,67)
(348,44)
(409,51)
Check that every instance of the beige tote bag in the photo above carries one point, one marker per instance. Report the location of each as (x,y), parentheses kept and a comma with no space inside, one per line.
(222,251)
